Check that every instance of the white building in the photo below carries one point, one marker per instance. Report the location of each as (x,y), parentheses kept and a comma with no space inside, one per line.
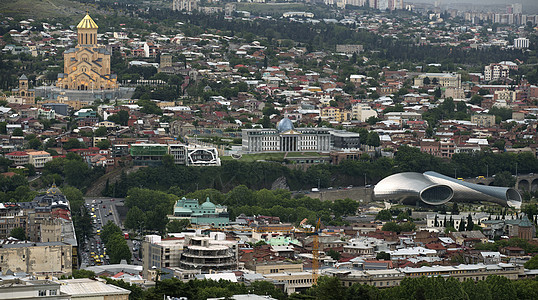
(496,71)
(521,43)
(286,139)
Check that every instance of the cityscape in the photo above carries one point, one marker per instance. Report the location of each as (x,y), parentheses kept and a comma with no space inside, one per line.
(268,149)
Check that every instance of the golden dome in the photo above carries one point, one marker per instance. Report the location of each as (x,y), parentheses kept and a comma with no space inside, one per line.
(87,23)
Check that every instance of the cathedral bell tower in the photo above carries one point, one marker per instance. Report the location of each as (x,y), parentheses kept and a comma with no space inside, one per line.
(87,31)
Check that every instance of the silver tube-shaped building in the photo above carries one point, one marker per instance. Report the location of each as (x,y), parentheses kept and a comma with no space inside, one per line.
(435,189)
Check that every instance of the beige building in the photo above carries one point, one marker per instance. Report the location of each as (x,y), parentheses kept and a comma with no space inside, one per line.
(23,95)
(362,112)
(53,258)
(275,267)
(160,253)
(483,120)
(92,289)
(39,158)
(452,80)
(293,282)
(87,66)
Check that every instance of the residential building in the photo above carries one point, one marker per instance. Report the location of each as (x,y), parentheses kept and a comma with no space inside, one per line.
(19,158)
(11,217)
(53,258)
(293,282)
(349,49)
(94,289)
(483,120)
(452,80)
(160,253)
(341,139)
(362,112)
(185,5)
(18,288)
(39,158)
(496,72)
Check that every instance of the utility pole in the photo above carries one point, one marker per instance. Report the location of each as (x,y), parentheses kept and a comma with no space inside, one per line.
(487,170)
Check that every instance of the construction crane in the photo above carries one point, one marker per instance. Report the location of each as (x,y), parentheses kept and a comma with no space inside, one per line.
(315,253)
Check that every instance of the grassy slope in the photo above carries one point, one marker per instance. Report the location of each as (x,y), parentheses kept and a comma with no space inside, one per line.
(42,9)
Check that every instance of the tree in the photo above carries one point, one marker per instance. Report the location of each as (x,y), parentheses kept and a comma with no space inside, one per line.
(83,274)
(74,196)
(35,143)
(135,219)
(18,233)
(328,288)
(462,225)
(101,131)
(18,132)
(384,215)
(73,143)
(532,263)
(334,254)
(103,144)
(177,225)
(504,178)
(373,139)
(455,209)
(118,249)
(122,118)
(391,226)
(383,255)
(470,223)
(109,230)
(426,80)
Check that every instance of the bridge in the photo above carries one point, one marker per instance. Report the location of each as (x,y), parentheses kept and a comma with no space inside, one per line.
(524,182)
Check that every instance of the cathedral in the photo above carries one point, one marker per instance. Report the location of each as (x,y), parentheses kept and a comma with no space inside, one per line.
(87,66)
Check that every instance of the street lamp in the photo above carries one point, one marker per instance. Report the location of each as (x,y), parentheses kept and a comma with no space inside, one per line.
(487,170)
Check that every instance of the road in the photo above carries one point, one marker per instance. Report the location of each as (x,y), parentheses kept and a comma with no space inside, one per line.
(102,211)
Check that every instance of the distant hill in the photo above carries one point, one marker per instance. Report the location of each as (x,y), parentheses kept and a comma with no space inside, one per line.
(42,9)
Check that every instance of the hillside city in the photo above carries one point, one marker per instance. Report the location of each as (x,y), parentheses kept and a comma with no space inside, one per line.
(187,149)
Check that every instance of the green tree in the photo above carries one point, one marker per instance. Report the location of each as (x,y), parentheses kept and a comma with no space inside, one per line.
(101,131)
(532,263)
(109,230)
(177,225)
(373,139)
(103,144)
(383,255)
(118,249)
(34,143)
(135,219)
(334,254)
(328,288)
(83,274)
(121,118)
(384,215)
(391,226)
(17,132)
(74,196)
(73,143)
(504,178)
(18,233)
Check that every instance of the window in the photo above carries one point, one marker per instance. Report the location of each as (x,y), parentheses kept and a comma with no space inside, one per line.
(42,293)
(53,292)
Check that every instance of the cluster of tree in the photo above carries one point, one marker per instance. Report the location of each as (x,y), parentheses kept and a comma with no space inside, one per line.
(390,214)
(513,242)
(15,189)
(328,288)
(148,209)
(115,243)
(399,227)
(259,175)
(72,170)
